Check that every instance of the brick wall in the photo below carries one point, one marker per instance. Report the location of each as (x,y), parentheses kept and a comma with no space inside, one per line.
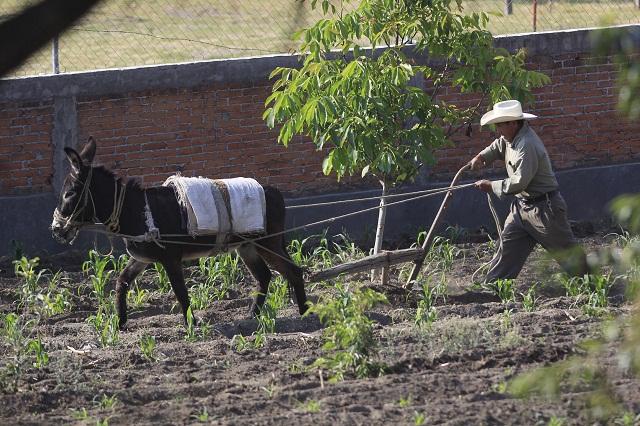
(26,165)
(213,126)
(212,131)
(578,121)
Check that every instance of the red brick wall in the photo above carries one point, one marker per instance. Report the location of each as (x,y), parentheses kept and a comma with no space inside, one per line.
(218,131)
(578,121)
(26,155)
(214,131)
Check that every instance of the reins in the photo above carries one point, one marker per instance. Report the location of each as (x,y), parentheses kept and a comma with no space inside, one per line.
(113,221)
(111,226)
(159,239)
(77,210)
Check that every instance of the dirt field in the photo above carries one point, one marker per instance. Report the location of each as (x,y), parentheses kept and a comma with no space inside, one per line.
(450,373)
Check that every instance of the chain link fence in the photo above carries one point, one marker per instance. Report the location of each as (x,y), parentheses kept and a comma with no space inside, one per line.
(125,33)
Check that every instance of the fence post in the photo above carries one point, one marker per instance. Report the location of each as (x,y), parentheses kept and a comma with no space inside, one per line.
(55,59)
(508,7)
(535,14)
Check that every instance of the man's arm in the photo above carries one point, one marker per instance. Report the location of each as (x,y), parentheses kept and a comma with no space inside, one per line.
(524,168)
(477,162)
(488,155)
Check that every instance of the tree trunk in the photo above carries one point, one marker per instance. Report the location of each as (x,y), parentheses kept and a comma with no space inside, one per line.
(382,214)
(508,7)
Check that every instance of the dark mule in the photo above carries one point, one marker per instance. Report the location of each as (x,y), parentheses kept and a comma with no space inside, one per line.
(94,195)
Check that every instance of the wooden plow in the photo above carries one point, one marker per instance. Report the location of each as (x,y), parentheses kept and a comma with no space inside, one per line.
(388,258)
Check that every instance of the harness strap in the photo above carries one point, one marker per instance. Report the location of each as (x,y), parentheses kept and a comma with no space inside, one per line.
(113,222)
(153,233)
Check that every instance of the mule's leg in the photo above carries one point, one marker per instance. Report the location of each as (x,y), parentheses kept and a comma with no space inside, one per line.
(260,272)
(274,253)
(126,277)
(176,277)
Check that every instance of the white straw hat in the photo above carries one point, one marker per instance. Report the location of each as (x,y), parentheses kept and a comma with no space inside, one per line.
(505,111)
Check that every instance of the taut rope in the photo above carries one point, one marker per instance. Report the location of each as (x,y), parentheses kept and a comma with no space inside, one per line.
(158,238)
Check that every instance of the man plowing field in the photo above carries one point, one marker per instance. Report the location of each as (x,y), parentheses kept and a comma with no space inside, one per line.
(538,214)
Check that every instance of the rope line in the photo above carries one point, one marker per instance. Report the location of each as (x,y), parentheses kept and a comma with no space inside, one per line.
(492,208)
(405,194)
(144,238)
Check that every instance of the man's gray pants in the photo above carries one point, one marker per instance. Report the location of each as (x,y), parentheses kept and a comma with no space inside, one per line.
(543,222)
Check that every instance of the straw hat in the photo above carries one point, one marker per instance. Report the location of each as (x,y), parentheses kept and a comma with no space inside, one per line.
(505,111)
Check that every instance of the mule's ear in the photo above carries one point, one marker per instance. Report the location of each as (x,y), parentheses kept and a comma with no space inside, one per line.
(74,158)
(88,151)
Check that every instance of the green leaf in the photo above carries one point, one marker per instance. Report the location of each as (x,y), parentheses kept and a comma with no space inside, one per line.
(271,116)
(327,164)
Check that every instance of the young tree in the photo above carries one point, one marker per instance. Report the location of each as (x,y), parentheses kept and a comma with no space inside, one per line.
(361,105)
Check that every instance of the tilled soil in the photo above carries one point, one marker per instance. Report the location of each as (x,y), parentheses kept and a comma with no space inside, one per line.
(450,373)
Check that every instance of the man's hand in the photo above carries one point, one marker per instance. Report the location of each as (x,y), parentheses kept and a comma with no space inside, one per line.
(477,162)
(483,185)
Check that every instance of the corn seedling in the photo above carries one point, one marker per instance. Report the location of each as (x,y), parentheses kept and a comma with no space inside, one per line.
(200,295)
(106,324)
(120,263)
(41,357)
(529,299)
(54,300)
(164,285)
(221,273)
(96,267)
(192,328)
(574,286)
(505,320)
(275,300)
(297,252)
(27,270)
(346,250)
(487,249)
(442,254)
(555,421)
(623,239)
(20,351)
(599,286)
(322,256)
(318,258)
(500,387)
(147,346)
(426,313)
(406,401)
(503,288)
(137,296)
(81,414)
(594,288)
(629,418)
(348,335)
(419,418)
(632,278)
(105,402)
(311,406)
(202,416)
(270,390)
(239,343)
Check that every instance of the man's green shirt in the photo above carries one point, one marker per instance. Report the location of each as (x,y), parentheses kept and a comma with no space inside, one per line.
(528,166)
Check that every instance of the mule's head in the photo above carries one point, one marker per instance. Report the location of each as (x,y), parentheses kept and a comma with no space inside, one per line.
(75,205)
